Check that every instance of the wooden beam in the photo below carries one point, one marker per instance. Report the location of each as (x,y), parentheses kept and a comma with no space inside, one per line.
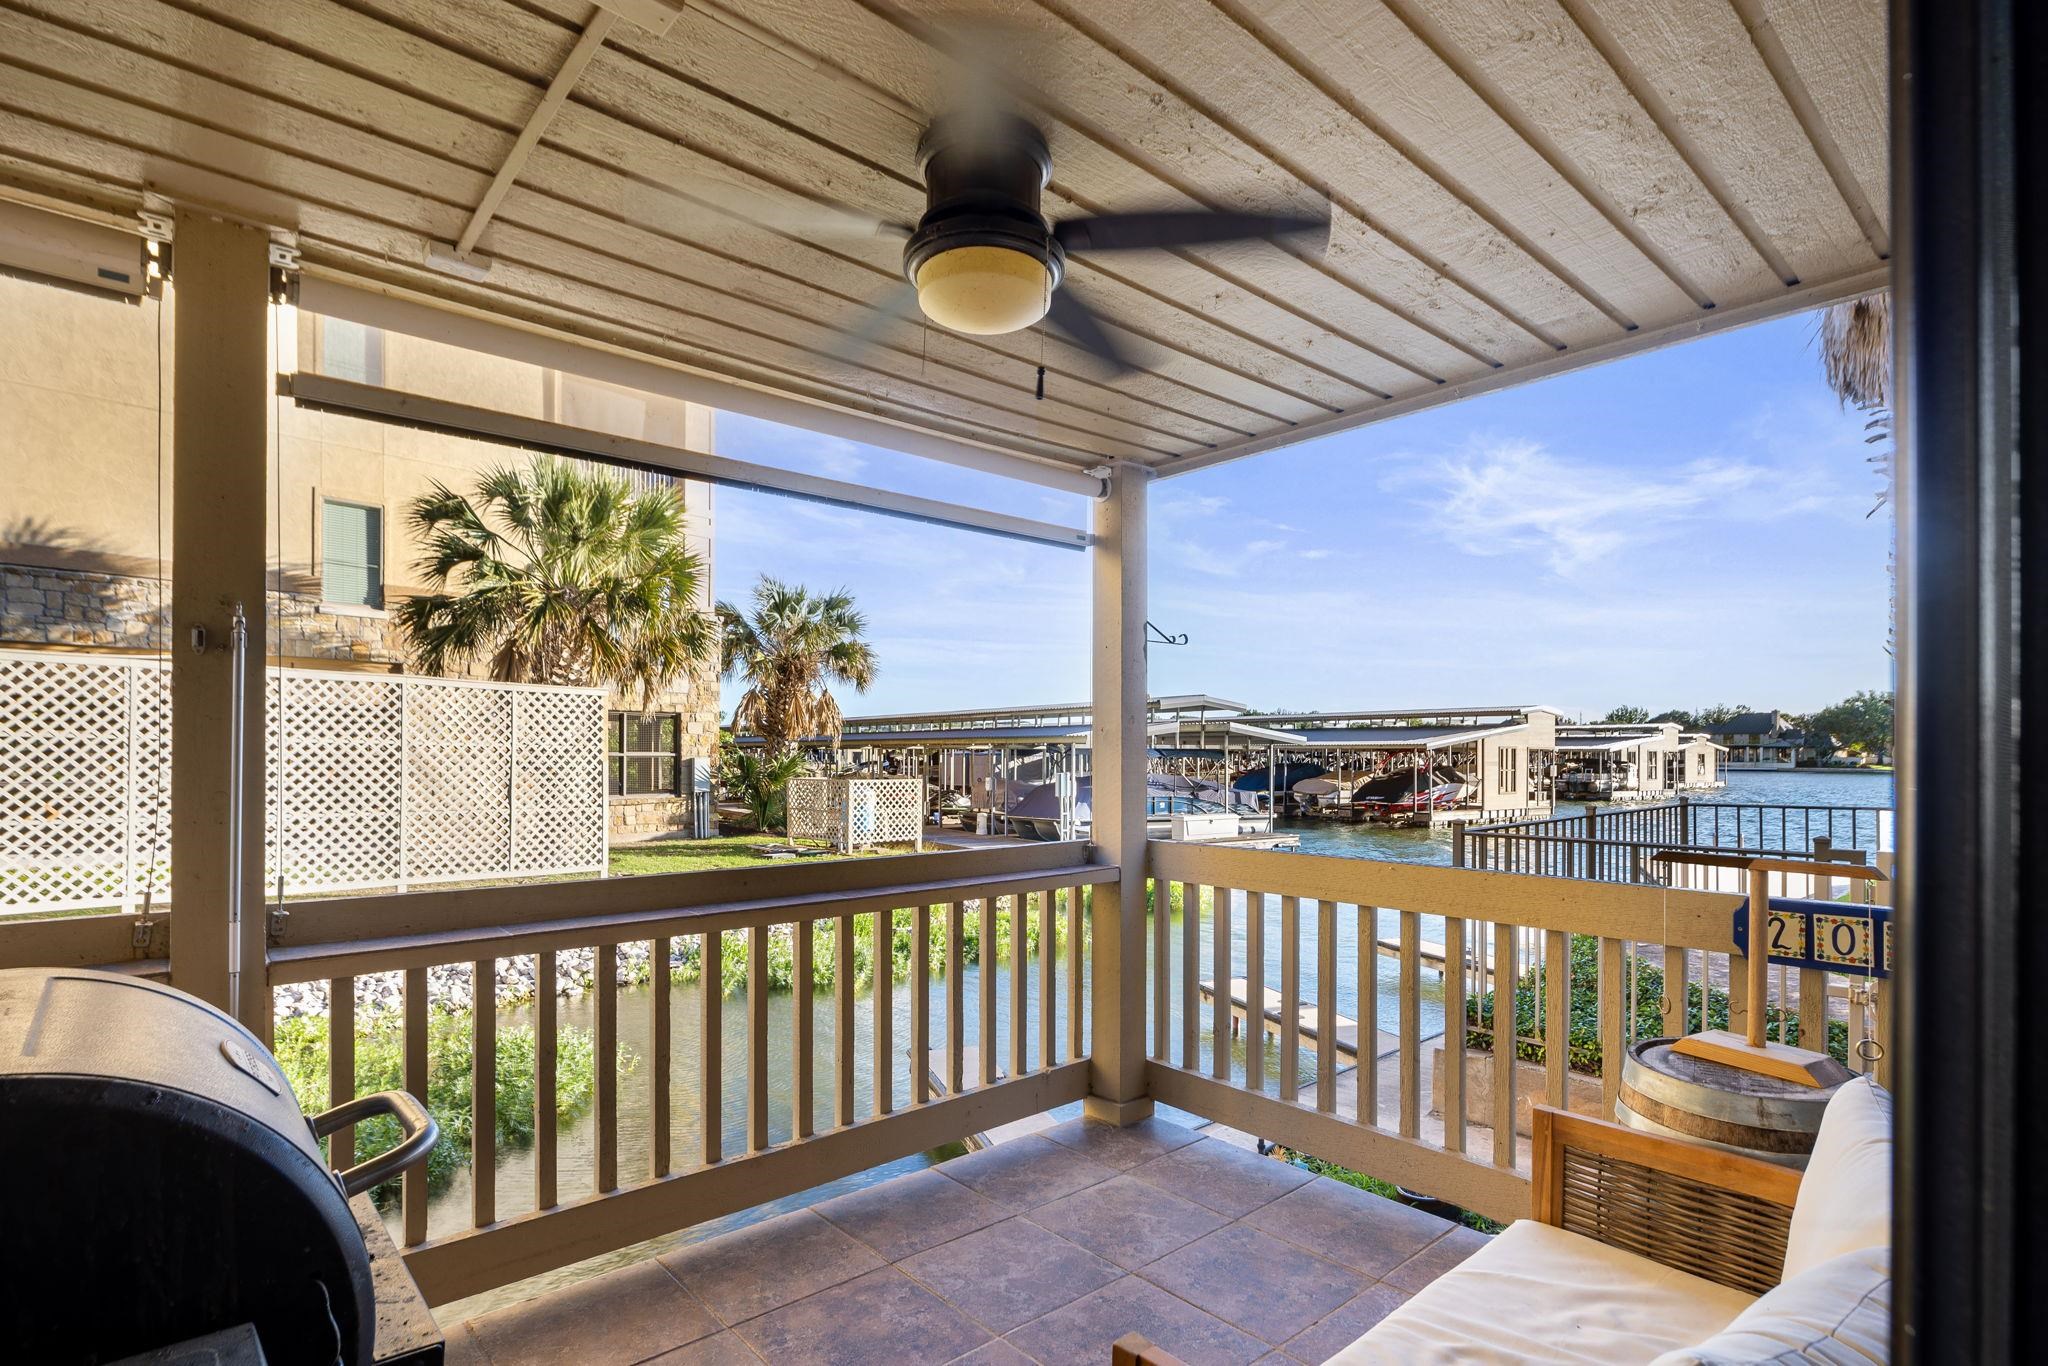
(325,294)
(326,394)
(220,431)
(551,101)
(1117,1084)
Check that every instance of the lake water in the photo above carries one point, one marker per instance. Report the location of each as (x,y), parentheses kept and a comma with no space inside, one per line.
(449,1211)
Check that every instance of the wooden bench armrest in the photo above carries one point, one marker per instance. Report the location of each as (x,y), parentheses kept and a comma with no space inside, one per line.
(1133,1349)
(1715,1214)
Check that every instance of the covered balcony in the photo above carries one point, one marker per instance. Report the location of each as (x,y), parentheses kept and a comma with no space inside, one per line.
(767,1159)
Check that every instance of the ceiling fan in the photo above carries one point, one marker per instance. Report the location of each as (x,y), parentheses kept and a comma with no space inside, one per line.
(984,260)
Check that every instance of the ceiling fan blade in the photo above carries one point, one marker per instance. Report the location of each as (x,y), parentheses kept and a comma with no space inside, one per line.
(897,304)
(1174,228)
(1079,322)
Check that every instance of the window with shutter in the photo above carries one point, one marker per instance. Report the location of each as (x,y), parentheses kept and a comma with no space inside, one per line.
(352,554)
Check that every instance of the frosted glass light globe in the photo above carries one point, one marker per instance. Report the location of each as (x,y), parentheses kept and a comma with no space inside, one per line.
(985,291)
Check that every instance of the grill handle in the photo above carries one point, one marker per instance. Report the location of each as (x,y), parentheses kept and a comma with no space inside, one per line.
(420,1130)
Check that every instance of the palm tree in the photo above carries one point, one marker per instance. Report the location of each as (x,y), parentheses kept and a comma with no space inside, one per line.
(787,649)
(1856,350)
(558,573)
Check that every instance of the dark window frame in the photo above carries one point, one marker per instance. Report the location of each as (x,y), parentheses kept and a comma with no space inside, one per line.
(638,771)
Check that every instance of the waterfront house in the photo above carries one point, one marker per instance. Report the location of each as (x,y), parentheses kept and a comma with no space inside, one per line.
(1762,740)
(713,203)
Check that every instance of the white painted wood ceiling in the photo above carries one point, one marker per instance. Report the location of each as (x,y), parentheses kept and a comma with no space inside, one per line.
(1517,186)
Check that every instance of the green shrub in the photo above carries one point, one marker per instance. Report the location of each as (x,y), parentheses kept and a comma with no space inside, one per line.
(1583,1037)
(301,1046)
(1375,1186)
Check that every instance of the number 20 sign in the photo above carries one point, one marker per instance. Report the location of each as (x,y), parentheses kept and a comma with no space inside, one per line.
(1833,936)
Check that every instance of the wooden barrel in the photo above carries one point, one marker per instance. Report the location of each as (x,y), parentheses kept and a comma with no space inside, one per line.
(1725,1107)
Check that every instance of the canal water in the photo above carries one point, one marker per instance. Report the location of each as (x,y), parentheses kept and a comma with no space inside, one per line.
(449,1210)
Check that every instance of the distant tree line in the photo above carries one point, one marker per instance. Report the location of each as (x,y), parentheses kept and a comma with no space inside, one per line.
(1861,722)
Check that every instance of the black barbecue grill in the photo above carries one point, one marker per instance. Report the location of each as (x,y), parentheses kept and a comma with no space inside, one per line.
(159,1182)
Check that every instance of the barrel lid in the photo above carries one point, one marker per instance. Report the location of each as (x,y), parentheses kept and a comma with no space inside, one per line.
(1659,1056)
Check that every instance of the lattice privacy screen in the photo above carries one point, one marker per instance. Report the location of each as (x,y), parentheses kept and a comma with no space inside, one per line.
(387,781)
(854,813)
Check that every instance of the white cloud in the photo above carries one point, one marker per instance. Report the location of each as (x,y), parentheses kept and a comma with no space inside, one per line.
(1516,498)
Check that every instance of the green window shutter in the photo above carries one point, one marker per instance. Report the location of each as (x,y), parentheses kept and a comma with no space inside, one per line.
(352,545)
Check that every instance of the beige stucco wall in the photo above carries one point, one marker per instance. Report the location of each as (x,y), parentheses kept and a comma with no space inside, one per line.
(79,480)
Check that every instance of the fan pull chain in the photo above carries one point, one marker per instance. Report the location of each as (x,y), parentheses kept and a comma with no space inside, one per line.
(1041,382)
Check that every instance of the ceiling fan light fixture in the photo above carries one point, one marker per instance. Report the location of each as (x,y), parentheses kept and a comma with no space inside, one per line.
(984,290)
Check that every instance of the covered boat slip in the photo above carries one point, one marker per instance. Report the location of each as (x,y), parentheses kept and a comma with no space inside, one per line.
(659,195)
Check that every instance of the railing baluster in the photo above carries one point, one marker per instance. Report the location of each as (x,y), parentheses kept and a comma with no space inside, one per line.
(1504,976)
(1453,1062)
(1190,976)
(885,1011)
(604,966)
(1219,994)
(1326,1007)
(986,997)
(803,1117)
(1557,1018)
(1020,984)
(711,1068)
(921,1006)
(483,1092)
(1048,996)
(414,1195)
(1369,1015)
(547,1118)
(1162,970)
(1290,998)
(661,1034)
(1613,1024)
(1254,990)
(1411,1023)
(842,1024)
(1077,977)
(341,1066)
(956,997)
(757,1038)
(1813,1009)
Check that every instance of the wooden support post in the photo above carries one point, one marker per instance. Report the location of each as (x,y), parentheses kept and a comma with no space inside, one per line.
(221,406)
(1116,1074)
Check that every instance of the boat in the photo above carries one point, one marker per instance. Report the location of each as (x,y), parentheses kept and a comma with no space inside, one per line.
(1409,795)
(1036,812)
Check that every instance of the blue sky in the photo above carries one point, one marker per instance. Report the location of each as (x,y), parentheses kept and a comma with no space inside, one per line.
(1678,528)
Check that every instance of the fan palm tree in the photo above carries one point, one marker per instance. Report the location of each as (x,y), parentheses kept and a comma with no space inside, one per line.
(558,573)
(1856,351)
(788,648)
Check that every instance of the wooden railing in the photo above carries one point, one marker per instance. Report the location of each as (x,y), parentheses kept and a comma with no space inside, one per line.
(1314,929)
(338,942)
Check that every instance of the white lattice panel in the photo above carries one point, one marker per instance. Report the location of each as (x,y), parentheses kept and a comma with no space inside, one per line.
(386,781)
(854,813)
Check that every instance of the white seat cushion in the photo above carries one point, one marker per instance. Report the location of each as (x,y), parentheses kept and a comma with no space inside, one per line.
(1839,1313)
(1845,1198)
(1538,1293)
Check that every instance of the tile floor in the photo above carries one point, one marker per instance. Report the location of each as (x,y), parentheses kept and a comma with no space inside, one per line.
(1046,1248)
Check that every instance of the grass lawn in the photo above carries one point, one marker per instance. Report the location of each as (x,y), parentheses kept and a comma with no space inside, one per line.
(696,856)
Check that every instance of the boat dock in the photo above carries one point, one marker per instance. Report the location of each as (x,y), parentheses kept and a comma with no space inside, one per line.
(1345,1042)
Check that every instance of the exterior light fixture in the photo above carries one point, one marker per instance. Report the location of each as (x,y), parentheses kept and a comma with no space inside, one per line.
(984,290)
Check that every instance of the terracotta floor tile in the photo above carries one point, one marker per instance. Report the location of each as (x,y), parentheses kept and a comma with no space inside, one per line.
(1272,1290)
(1082,1332)
(1366,1232)
(1127,1221)
(1009,1273)
(764,1266)
(1025,1172)
(1231,1181)
(1121,1147)
(1433,1261)
(882,1317)
(1321,1341)
(910,1213)
(720,1349)
(622,1316)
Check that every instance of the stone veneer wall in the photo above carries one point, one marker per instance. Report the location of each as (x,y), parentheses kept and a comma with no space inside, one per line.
(43,606)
